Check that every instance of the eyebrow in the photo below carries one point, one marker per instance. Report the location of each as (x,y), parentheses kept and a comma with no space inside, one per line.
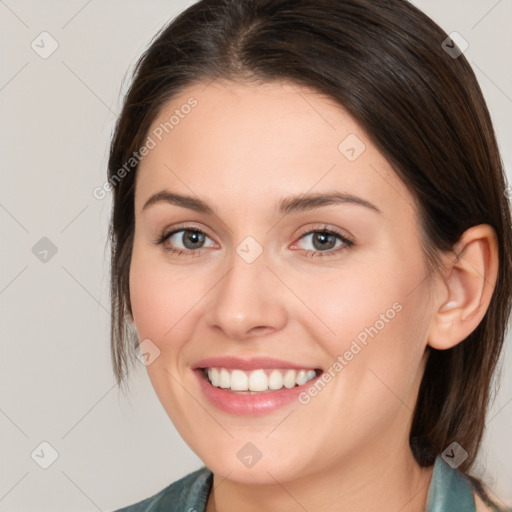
(292,204)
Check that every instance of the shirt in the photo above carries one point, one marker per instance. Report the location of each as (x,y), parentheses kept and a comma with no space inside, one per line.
(449,491)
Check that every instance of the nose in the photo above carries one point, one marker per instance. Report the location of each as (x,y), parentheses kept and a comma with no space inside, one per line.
(248,301)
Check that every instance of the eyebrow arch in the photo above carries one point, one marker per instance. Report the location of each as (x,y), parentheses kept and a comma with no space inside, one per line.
(164,196)
(307,202)
(286,206)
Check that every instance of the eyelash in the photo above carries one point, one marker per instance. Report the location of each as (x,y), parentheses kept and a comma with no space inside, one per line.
(348,243)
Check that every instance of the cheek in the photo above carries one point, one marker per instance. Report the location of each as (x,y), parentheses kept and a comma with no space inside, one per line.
(348,303)
(376,350)
(373,312)
(162,299)
(163,309)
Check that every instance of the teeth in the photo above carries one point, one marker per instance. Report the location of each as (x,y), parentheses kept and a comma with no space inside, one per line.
(301,377)
(224,378)
(275,380)
(258,380)
(239,381)
(289,379)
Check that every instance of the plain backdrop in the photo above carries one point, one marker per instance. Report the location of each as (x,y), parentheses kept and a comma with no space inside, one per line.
(105,450)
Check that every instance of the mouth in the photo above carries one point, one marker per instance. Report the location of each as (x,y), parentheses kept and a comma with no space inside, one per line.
(253,387)
(261,380)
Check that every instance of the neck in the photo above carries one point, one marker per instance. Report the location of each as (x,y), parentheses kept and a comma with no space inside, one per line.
(379,482)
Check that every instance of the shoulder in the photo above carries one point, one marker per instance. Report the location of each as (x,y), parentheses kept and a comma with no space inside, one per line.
(191,491)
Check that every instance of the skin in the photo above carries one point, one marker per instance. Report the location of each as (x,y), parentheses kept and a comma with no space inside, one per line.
(242,149)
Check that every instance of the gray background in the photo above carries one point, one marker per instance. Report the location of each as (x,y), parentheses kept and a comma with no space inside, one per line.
(56,383)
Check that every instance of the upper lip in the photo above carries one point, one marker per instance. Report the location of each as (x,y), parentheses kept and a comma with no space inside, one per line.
(256,363)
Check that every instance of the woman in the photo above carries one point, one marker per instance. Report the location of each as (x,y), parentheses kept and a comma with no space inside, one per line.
(311,242)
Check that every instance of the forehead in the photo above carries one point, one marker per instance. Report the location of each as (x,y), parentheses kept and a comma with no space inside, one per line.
(253,144)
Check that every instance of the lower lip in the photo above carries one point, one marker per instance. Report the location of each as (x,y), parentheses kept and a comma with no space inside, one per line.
(246,404)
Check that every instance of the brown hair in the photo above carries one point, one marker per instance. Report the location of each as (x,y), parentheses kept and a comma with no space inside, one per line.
(384,62)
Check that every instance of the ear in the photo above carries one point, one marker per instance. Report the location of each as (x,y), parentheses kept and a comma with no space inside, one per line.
(466,287)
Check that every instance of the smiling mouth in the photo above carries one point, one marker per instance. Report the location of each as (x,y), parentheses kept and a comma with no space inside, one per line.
(258,381)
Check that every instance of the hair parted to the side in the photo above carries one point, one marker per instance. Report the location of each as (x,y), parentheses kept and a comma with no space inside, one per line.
(382,60)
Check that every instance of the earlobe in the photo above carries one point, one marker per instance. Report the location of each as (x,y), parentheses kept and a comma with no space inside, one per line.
(469,282)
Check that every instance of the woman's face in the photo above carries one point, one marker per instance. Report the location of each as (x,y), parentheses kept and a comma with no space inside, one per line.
(256,275)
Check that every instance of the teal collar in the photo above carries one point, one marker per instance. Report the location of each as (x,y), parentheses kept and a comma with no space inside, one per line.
(449,490)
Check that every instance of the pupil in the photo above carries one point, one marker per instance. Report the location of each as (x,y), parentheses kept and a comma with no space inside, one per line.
(323,237)
(195,237)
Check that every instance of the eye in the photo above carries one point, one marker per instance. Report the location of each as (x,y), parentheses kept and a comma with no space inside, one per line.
(183,241)
(323,242)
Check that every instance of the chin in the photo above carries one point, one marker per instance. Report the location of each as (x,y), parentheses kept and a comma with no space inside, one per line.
(262,472)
